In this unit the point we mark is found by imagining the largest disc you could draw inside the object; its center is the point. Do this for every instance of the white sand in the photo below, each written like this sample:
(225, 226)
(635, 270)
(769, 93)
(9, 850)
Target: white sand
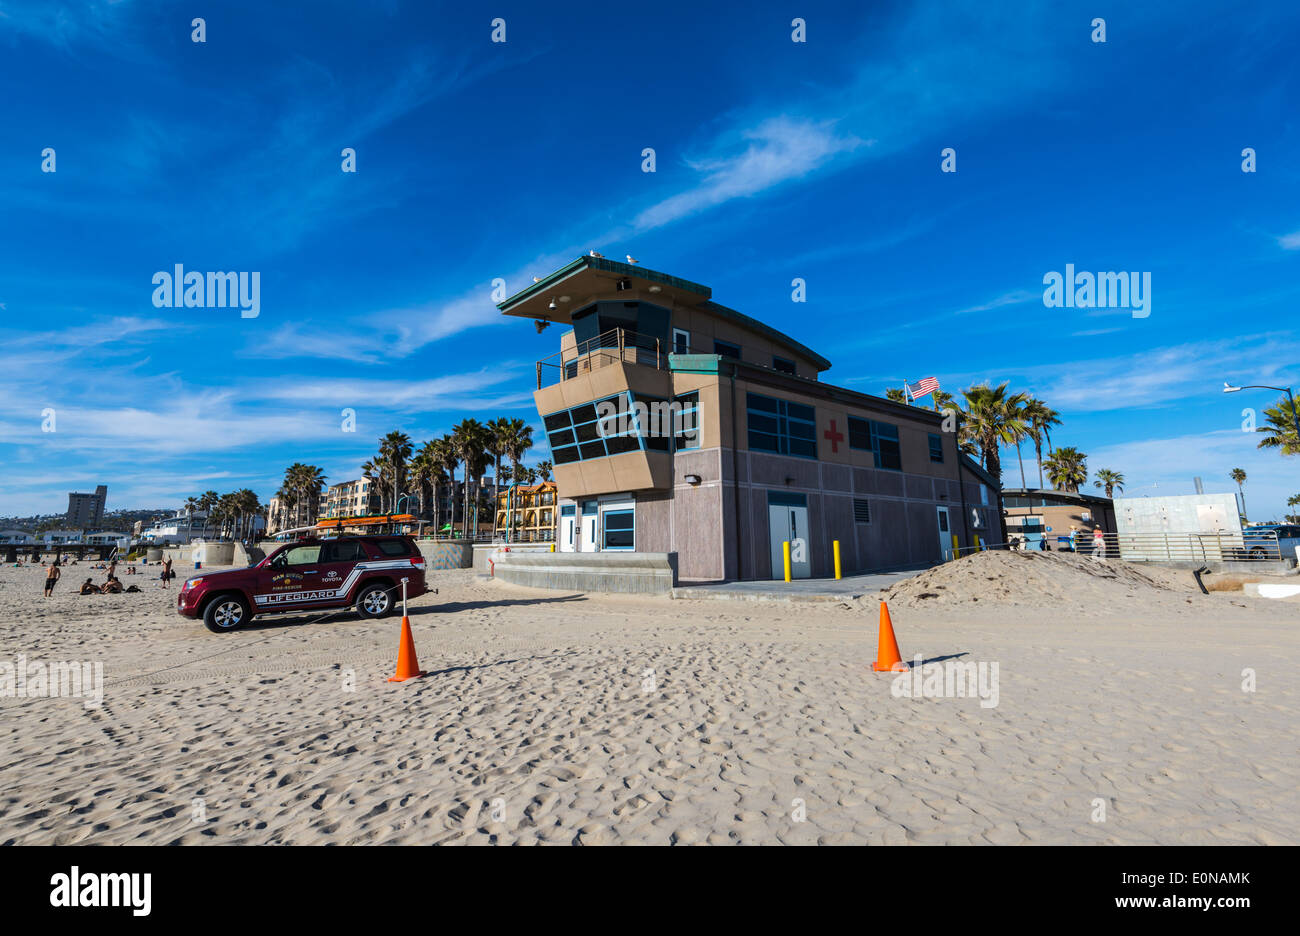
(535, 703)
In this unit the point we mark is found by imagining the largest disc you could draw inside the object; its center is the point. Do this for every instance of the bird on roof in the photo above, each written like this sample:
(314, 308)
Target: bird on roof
(536, 279)
(632, 259)
(600, 255)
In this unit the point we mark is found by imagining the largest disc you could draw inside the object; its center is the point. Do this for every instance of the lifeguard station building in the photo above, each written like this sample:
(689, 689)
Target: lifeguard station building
(762, 450)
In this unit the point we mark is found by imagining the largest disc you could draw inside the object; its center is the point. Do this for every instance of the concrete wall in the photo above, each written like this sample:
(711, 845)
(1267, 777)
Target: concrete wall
(621, 572)
(440, 555)
(489, 551)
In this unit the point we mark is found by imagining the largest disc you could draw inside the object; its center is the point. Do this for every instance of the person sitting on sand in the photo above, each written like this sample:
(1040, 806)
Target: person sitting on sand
(51, 576)
(111, 587)
(88, 587)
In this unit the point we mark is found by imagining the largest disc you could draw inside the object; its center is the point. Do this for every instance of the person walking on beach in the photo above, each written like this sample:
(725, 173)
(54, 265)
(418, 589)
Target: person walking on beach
(1099, 543)
(51, 576)
(166, 571)
(1043, 545)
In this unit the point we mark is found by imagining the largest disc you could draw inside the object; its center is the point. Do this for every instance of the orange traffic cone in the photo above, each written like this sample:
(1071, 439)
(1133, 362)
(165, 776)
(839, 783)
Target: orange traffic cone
(887, 658)
(408, 667)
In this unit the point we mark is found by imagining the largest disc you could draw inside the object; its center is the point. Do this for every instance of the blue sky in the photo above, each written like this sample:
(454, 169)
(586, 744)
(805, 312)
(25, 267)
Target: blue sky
(775, 160)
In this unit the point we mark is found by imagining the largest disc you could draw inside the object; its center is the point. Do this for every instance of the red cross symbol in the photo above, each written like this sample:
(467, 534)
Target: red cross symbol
(835, 437)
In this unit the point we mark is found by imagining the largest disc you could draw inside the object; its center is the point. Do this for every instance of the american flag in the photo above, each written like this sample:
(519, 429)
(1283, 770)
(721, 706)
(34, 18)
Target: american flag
(924, 387)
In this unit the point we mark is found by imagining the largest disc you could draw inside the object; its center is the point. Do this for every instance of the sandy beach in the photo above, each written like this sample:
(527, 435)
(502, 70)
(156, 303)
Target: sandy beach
(567, 718)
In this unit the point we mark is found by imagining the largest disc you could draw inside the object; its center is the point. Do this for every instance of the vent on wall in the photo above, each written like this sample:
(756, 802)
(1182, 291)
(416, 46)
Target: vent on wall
(861, 511)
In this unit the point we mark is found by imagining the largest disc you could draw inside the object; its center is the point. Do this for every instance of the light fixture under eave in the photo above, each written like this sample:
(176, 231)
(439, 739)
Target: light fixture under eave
(565, 298)
(552, 306)
(656, 289)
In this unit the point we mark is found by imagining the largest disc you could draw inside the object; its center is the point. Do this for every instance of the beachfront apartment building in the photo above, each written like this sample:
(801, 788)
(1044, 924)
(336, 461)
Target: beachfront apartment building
(87, 510)
(355, 498)
(756, 450)
(527, 513)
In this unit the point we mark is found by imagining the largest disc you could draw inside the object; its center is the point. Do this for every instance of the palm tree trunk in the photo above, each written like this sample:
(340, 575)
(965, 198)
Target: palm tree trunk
(1038, 456)
(1022, 465)
(496, 491)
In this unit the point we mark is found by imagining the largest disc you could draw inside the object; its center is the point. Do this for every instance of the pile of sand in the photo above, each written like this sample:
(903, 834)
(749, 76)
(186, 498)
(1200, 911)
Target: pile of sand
(1052, 581)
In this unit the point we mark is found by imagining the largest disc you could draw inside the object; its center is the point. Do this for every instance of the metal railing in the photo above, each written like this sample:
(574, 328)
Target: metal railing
(616, 346)
(1262, 546)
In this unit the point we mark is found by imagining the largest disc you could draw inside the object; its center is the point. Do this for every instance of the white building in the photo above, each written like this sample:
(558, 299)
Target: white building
(179, 529)
(16, 538)
(62, 538)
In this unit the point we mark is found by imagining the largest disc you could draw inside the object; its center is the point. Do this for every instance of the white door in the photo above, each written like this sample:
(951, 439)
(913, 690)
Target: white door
(945, 534)
(568, 533)
(789, 524)
(587, 536)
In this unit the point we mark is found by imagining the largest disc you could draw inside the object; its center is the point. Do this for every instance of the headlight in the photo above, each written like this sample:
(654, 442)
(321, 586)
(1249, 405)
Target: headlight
(193, 581)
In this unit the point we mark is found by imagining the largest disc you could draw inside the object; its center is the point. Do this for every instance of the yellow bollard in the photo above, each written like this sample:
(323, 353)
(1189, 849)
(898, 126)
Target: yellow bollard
(979, 546)
(785, 548)
(956, 547)
(552, 547)
(836, 544)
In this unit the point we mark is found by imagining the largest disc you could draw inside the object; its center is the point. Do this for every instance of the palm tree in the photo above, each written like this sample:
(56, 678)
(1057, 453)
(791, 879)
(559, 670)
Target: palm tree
(306, 481)
(942, 400)
(1067, 468)
(896, 394)
(1112, 481)
(443, 455)
(374, 474)
(394, 450)
(1281, 429)
(248, 505)
(207, 501)
(287, 498)
(519, 441)
(1239, 475)
(499, 434)
(470, 439)
(544, 469)
(1041, 419)
(993, 420)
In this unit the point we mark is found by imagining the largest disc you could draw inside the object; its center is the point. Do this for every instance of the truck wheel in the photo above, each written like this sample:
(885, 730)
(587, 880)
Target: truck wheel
(375, 601)
(226, 613)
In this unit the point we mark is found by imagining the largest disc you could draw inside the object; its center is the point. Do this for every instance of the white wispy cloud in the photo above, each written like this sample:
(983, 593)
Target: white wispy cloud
(775, 151)
(1161, 375)
(1290, 241)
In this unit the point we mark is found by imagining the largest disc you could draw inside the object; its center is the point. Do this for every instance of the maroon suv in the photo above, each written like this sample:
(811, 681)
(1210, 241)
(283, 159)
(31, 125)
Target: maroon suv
(312, 574)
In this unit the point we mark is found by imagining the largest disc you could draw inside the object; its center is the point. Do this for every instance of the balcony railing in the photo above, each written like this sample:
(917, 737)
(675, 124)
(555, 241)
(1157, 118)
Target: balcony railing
(616, 346)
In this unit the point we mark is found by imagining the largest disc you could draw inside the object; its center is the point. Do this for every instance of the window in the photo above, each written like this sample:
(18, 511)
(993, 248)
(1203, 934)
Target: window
(781, 427)
(784, 365)
(343, 551)
(881, 439)
(300, 555)
(601, 428)
(861, 511)
(681, 341)
(726, 349)
(620, 530)
(394, 547)
(686, 417)
(936, 448)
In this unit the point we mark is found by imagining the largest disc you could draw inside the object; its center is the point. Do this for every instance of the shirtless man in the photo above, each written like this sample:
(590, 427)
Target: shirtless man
(51, 576)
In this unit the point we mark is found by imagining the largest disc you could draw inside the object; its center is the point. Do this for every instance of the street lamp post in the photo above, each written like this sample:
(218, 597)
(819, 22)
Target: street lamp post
(1295, 417)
